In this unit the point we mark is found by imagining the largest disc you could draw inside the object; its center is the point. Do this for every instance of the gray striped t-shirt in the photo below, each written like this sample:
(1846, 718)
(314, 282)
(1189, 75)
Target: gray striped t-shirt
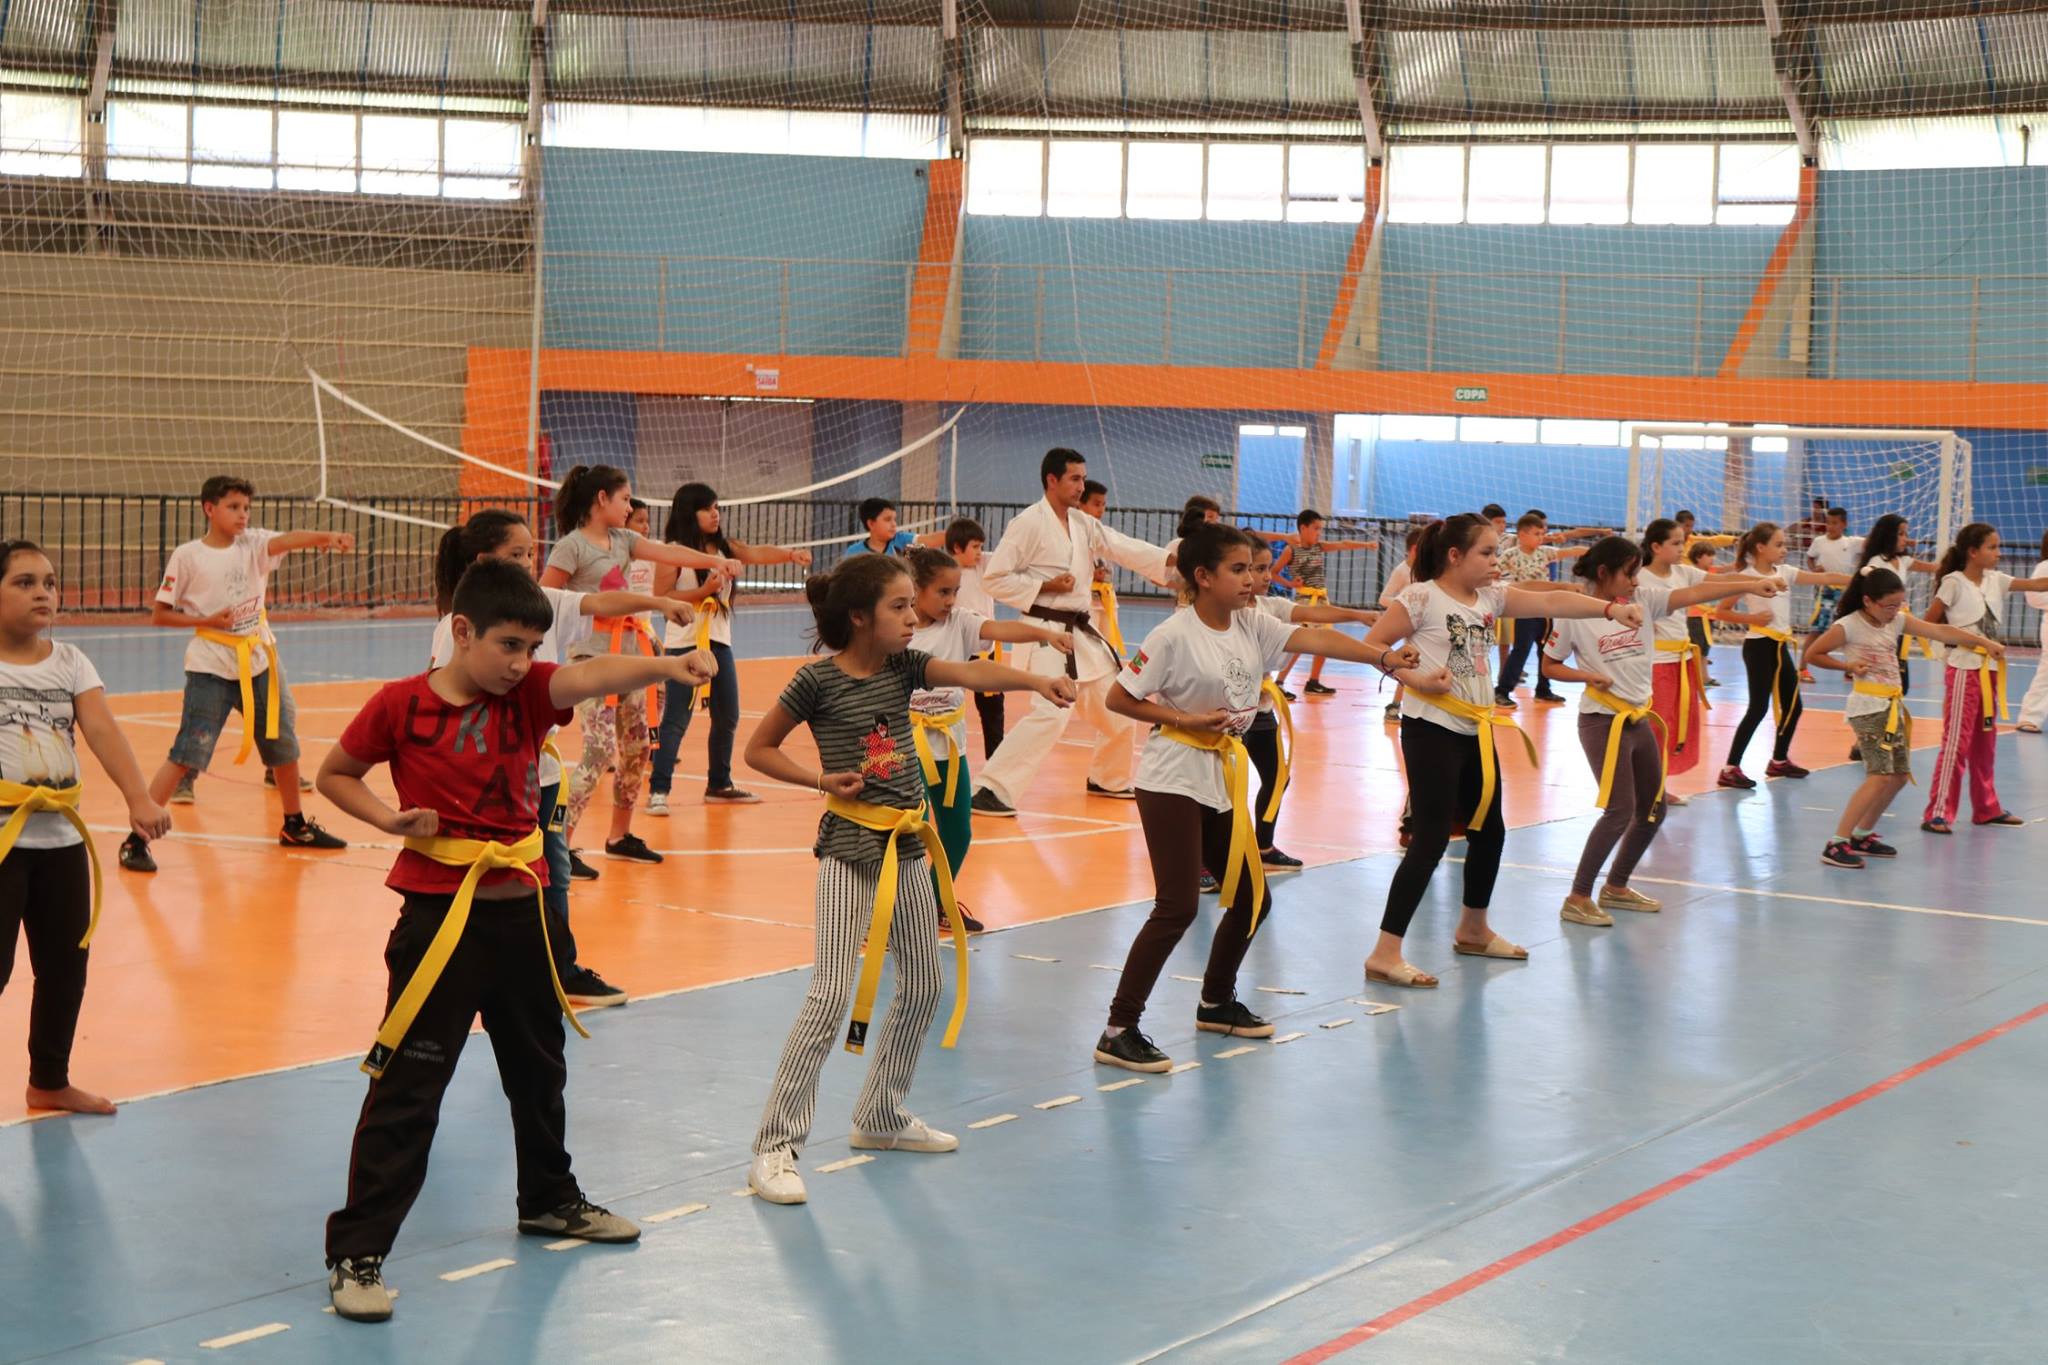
(863, 725)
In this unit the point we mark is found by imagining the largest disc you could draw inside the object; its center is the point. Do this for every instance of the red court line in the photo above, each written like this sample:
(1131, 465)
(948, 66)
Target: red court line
(1437, 1298)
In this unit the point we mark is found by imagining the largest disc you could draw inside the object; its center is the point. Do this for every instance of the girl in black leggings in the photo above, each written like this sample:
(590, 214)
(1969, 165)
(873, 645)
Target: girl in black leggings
(1767, 657)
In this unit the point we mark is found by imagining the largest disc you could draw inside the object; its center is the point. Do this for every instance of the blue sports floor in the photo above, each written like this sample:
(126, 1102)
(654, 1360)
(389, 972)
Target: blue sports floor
(1794, 1118)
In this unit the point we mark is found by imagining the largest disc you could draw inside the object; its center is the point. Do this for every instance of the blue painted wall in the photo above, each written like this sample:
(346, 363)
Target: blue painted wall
(591, 428)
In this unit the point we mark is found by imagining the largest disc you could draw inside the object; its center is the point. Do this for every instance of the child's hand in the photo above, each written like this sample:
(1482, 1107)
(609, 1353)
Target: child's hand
(414, 823)
(1768, 587)
(223, 620)
(341, 542)
(732, 569)
(1856, 668)
(1439, 681)
(1599, 680)
(802, 557)
(1206, 722)
(697, 666)
(1407, 656)
(1626, 614)
(1060, 691)
(845, 785)
(1060, 640)
(1995, 648)
(678, 613)
(148, 819)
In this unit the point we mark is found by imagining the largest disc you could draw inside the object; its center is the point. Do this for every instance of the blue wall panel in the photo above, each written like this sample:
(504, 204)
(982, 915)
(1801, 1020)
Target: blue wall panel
(590, 428)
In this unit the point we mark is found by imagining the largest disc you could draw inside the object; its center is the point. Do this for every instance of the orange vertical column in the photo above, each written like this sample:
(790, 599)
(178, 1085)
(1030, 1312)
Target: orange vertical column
(1354, 271)
(938, 258)
(1775, 273)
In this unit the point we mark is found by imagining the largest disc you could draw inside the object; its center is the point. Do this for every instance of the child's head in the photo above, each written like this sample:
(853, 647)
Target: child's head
(878, 515)
(1699, 554)
(1762, 547)
(1610, 567)
(1200, 510)
(1838, 522)
(1216, 561)
(1094, 498)
(1529, 530)
(693, 519)
(1663, 541)
(1308, 524)
(1498, 515)
(1262, 565)
(1413, 543)
(1975, 548)
(28, 588)
(593, 495)
(964, 541)
(1684, 520)
(936, 576)
(493, 533)
(1887, 538)
(1458, 551)
(1876, 592)
(638, 519)
(501, 616)
(225, 500)
(867, 596)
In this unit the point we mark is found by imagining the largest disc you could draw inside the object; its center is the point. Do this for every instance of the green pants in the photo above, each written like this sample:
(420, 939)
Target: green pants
(955, 822)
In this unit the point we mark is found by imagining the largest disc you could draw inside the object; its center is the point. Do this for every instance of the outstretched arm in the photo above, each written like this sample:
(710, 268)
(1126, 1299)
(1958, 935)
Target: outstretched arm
(1953, 635)
(612, 674)
(1335, 644)
(783, 554)
(1727, 585)
(979, 675)
(339, 541)
(1017, 633)
(1566, 606)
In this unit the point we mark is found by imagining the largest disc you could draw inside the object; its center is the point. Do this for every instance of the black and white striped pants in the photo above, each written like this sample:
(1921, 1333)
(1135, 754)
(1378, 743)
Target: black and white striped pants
(846, 902)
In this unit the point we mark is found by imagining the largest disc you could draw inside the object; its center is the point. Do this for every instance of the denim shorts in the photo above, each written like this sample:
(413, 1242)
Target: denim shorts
(1885, 753)
(211, 699)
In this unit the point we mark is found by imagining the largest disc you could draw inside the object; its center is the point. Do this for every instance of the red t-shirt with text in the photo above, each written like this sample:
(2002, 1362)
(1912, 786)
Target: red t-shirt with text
(477, 764)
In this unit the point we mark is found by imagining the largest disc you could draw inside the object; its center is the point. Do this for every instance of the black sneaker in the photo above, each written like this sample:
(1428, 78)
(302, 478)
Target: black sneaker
(1856, 754)
(1132, 1051)
(580, 871)
(1113, 793)
(986, 802)
(1232, 1018)
(1870, 846)
(1289, 695)
(974, 926)
(1273, 860)
(135, 855)
(1209, 885)
(304, 832)
(632, 850)
(589, 991)
(1550, 698)
(1840, 853)
(1316, 687)
(355, 1285)
(581, 1219)
(1505, 703)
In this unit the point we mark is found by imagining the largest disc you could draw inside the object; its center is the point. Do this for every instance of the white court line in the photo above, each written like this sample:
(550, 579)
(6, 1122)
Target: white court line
(1235, 1052)
(1121, 1085)
(1059, 1102)
(992, 1121)
(1279, 990)
(1179, 1067)
(268, 1329)
(844, 1164)
(670, 1215)
(470, 1272)
(1289, 1038)
(1333, 1023)
(566, 1244)
(1103, 967)
(1032, 957)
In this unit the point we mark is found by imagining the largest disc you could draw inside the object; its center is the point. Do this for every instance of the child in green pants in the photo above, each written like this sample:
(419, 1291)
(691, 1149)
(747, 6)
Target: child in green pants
(939, 716)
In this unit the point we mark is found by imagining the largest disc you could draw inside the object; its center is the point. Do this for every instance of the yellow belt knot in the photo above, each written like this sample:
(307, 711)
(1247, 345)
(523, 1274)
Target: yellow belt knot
(1992, 706)
(894, 821)
(1890, 692)
(245, 647)
(1243, 857)
(922, 725)
(1105, 592)
(706, 610)
(28, 800)
(1484, 718)
(1625, 713)
(1286, 715)
(479, 856)
(1312, 596)
(619, 628)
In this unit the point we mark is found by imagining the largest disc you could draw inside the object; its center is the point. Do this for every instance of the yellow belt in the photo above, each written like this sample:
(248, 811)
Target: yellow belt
(27, 801)
(1887, 691)
(921, 725)
(1685, 648)
(1503, 633)
(547, 746)
(245, 647)
(1623, 714)
(1784, 640)
(1111, 631)
(707, 609)
(1286, 715)
(1483, 717)
(1983, 692)
(479, 856)
(619, 627)
(1312, 596)
(1244, 841)
(994, 654)
(893, 821)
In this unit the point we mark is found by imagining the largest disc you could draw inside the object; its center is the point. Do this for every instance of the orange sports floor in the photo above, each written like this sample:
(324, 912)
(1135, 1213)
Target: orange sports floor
(240, 956)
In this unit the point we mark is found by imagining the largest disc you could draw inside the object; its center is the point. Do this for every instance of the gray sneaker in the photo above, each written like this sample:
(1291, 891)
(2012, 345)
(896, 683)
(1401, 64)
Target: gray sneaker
(581, 1218)
(183, 794)
(356, 1284)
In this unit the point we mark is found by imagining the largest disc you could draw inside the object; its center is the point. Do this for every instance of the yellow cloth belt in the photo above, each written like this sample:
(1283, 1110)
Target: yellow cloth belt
(479, 856)
(1685, 648)
(27, 801)
(547, 746)
(619, 627)
(1105, 592)
(1784, 640)
(706, 609)
(921, 725)
(892, 821)
(1983, 692)
(1312, 596)
(1623, 714)
(1503, 633)
(245, 647)
(1483, 717)
(1286, 746)
(1887, 691)
(994, 654)
(1244, 841)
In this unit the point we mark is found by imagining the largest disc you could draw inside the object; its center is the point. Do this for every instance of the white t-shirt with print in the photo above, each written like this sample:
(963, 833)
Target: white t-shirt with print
(1625, 654)
(1877, 646)
(640, 579)
(954, 640)
(1967, 605)
(685, 637)
(38, 734)
(1671, 624)
(202, 579)
(570, 627)
(1449, 634)
(1780, 607)
(1188, 666)
(1837, 555)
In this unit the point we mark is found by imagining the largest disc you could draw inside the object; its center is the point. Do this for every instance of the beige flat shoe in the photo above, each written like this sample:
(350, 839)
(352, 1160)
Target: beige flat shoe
(1407, 974)
(1627, 898)
(1493, 947)
(1576, 911)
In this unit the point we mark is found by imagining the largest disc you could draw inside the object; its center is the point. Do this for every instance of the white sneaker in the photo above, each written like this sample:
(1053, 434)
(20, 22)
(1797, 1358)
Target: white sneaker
(773, 1176)
(657, 803)
(917, 1136)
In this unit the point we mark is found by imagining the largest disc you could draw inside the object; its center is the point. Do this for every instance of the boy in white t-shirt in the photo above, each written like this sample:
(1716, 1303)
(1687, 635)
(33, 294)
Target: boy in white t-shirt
(1835, 551)
(964, 539)
(214, 587)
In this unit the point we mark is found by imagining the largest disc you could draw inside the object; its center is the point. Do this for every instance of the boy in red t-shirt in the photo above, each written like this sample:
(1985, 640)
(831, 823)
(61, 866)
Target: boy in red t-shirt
(463, 742)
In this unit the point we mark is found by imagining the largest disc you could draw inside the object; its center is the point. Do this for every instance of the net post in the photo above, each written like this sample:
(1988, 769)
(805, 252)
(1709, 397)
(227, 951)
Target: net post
(1631, 523)
(1944, 516)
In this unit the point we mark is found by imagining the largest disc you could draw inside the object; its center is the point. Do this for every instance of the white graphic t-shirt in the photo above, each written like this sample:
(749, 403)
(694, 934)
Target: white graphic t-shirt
(1189, 667)
(1623, 653)
(202, 579)
(1450, 634)
(1780, 607)
(1877, 646)
(38, 744)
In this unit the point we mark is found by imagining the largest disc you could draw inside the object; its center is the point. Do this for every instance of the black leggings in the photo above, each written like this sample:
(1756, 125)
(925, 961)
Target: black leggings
(1175, 827)
(1262, 742)
(1528, 638)
(1443, 785)
(47, 893)
(1768, 663)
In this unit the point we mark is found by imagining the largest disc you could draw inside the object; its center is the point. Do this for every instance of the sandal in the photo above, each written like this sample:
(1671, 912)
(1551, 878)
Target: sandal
(1493, 947)
(1936, 827)
(1407, 974)
(2004, 817)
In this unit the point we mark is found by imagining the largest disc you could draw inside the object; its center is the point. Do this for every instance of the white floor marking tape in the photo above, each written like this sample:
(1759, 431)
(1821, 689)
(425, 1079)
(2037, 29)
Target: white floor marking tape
(1289, 1038)
(747, 1193)
(1060, 1102)
(1196, 979)
(566, 1244)
(844, 1164)
(1333, 1023)
(1121, 1085)
(670, 1215)
(1235, 1052)
(1103, 967)
(1279, 990)
(1179, 1067)
(268, 1329)
(1374, 1008)
(470, 1272)
(1032, 957)
(993, 1120)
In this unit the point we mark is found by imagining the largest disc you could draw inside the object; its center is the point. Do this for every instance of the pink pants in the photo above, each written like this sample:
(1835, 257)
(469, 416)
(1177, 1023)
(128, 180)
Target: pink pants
(1967, 742)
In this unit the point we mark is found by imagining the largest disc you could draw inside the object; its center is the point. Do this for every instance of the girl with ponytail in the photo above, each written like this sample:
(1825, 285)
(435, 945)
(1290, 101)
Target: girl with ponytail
(1767, 653)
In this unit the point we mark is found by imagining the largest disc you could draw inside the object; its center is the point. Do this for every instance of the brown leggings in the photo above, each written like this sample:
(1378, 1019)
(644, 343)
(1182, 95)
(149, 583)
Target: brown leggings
(1182, 836)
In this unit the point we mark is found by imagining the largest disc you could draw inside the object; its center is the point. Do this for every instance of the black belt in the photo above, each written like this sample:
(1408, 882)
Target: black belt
(1073, 621)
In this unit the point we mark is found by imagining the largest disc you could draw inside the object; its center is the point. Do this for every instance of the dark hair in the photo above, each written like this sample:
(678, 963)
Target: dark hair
(1205, 546)
(870, 508)
(856, 585)
(1841, 512)
(636, 504)
(2044, 545)
(580, 487)
(220, 485)
(927, 563)
(1610, 555)
(1754, 539)
(1492, 510)
(10, 548)
(1415, 535)
(1683, 515)
(1863, 587)
(1885, 534)
(1056, 461)
(1539, 514)
(962, 532)
(1196, 513)
(1698, 550)
(1530, 521)
(1440, 538)
(1093, 486)
(1656, 533)
(495, 592)
(682, 528)
(461, 546)
(1307, 516)
(1966, 543)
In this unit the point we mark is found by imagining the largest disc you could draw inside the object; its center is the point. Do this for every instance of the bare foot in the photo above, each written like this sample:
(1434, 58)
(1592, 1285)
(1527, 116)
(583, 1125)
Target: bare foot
(71, 1099)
